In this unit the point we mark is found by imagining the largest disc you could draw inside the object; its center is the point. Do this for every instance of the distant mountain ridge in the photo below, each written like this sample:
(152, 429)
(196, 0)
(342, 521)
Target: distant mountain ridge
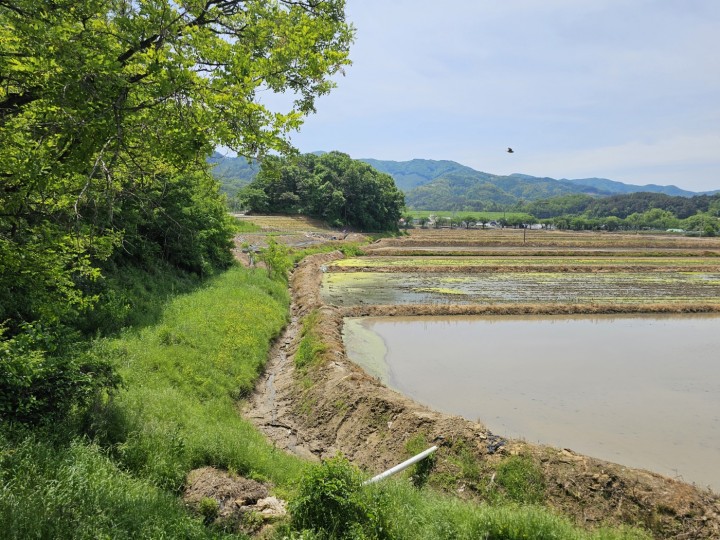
(618, 188)
(442, 184)
(430, 184)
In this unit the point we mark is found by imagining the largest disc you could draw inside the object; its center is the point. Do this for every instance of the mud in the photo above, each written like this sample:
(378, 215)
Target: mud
(334, 406)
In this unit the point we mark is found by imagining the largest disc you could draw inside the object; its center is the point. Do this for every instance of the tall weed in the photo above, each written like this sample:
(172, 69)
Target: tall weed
(183, 378)
(76, 492)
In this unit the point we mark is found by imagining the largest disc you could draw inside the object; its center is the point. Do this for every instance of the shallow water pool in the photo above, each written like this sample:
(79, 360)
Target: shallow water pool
(636, 390)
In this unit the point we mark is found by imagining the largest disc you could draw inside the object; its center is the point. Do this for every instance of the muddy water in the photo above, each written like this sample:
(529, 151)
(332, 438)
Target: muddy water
(643, 392)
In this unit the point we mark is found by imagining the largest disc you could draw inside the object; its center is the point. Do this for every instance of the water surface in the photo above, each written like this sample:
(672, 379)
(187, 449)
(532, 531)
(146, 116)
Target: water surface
(640, 391)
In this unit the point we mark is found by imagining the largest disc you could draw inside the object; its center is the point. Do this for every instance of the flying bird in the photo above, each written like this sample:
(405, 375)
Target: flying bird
(510, 150)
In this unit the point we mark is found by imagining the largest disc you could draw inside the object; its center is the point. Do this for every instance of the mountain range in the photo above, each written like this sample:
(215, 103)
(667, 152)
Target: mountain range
(448, 185)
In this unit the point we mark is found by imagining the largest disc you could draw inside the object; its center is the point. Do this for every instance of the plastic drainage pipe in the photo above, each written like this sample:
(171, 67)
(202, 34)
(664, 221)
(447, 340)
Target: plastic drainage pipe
(401, 467)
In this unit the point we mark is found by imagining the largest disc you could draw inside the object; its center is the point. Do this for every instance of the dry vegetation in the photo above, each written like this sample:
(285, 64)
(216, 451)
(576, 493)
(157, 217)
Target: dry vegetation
(513, 238)
(285, 224)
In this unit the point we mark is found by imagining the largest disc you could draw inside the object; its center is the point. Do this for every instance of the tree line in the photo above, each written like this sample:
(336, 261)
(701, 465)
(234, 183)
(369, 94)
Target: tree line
(634, 211)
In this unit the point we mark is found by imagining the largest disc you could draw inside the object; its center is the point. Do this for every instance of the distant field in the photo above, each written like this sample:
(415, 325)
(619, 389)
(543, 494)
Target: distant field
(511, 287)
(488, 216)
(495, 267)
(468, 238)
(284, 223)
(487, 263)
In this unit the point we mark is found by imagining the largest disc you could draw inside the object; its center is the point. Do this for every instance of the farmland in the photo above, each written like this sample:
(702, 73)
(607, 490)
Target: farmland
(442, 239)
(332, 405)
(484, 216)
(550, 272)
(675, 288)
(535, 263)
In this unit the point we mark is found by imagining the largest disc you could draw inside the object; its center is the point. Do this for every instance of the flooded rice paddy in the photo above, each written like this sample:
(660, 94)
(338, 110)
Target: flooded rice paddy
(357, 288)
(641, 391)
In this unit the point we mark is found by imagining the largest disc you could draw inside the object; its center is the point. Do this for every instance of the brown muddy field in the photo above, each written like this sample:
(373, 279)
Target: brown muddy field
(335, 406)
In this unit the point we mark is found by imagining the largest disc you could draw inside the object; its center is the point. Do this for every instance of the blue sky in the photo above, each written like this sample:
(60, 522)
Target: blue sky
(621, 89)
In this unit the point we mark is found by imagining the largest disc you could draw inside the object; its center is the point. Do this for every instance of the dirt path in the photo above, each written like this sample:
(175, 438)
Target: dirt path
(335, 406)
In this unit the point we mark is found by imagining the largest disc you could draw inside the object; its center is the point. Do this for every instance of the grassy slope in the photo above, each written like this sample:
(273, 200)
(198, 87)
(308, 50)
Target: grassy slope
(178, 411)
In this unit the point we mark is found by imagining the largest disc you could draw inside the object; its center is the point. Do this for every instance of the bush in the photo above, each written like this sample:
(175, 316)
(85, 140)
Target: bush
(422, 469)
(277, 259)
(40, 384)
(332, 503)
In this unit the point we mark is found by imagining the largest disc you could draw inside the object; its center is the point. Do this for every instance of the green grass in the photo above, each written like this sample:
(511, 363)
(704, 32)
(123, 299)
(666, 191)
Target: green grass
(410, 514)
(332, 503)
(185, 374)
(311, 346)
(246, 226)
(75, 491)
(178, 410)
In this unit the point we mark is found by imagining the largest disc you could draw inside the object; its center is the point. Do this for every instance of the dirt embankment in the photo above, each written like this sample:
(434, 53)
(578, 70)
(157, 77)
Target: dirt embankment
(335, 406)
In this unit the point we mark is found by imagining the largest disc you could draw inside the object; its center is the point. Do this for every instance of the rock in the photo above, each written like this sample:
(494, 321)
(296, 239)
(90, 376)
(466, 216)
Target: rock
(271, 508)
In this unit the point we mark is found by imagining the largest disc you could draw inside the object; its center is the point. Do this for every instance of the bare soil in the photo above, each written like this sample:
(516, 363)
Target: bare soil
(334, 406)
(241, 504)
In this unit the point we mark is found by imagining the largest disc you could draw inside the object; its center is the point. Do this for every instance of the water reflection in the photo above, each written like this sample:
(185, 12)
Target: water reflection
(640, 391)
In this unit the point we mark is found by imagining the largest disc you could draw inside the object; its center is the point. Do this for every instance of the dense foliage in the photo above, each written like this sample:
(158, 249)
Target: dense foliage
(635, 211)
(108, 111)
(332, 187)
(622, 206)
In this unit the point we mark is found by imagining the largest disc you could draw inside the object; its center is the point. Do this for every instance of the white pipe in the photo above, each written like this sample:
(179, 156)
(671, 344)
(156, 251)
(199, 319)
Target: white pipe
(402, 466)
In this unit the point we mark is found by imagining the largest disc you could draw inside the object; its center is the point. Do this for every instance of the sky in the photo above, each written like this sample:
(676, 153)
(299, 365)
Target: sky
(622, 89)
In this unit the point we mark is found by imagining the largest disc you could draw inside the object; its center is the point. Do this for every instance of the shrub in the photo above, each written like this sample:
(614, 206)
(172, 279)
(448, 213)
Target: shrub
(422, 469)
(38, 386)
(277, 259)
(209, 509)
(331, 501)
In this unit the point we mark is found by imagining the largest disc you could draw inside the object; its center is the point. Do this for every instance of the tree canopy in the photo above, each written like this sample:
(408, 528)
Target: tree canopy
(332, 187)
(108, 109)
(108, 112)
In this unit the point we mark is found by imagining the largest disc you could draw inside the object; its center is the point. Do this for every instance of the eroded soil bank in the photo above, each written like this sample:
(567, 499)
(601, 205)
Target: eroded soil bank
(335, 406)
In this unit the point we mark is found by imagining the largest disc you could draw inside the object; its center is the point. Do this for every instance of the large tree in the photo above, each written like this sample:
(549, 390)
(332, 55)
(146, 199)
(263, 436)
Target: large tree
(108, 111)
(333, 187)
(108, 108)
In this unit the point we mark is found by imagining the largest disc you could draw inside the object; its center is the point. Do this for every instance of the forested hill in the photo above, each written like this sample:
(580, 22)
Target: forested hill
(411, 174)
(618, 188)
(418, 172)
(448, 185)
(233, 173)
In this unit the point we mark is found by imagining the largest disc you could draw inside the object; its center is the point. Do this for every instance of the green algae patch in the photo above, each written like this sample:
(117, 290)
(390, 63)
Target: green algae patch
(378, 288)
